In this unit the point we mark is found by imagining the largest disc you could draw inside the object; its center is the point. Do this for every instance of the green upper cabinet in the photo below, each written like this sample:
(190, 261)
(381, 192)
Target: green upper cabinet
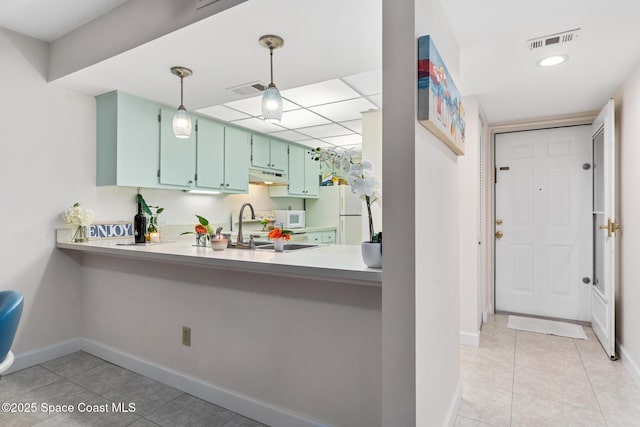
(237, 160)
(177, 155)
(223, 157)
(210, 155)
(127, 136)
(268, 153)
(304, 175)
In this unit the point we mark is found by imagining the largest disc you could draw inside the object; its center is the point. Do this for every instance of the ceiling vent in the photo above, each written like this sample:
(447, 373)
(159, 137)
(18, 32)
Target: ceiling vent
(554, 39)
(254, 88)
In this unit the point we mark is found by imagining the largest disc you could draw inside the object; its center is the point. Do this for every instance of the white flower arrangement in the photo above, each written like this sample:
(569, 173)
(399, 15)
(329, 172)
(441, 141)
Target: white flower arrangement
(359, 177)
(77, 215)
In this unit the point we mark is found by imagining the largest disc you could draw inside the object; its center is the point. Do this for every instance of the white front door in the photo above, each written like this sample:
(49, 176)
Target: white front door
(605, 228)
(543, 247)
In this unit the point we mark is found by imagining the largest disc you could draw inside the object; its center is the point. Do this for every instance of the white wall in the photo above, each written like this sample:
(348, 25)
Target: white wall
(47, 136)
(420, 276)
(437, 250)
(627, 100)
(468, 196)
(372, 151)
(310, 346)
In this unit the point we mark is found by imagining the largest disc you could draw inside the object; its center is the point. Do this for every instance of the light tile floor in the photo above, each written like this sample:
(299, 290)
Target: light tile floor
(518, 378)
(82, 380)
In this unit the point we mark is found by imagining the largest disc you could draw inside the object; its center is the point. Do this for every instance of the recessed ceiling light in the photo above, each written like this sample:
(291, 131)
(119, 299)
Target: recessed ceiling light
(550, 61)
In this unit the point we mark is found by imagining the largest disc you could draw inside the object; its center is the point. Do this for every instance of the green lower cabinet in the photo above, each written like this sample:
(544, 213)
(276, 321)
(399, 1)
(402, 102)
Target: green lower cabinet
(322, 237)
(127, 141)
(304, 175)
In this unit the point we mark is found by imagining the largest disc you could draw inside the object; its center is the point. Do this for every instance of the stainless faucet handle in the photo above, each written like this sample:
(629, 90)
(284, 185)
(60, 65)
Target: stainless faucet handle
(252, 243)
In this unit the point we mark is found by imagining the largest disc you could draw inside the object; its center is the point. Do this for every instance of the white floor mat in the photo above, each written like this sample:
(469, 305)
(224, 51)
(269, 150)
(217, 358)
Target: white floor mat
(550, 327)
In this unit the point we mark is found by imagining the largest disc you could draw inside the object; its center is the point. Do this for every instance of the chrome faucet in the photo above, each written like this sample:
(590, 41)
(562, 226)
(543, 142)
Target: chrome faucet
(239, 240)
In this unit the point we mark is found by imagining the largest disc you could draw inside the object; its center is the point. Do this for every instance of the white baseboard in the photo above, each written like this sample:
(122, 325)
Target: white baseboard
(471, 339)
(452, 413)
(629, 363)
(244, 405)
(41, 355)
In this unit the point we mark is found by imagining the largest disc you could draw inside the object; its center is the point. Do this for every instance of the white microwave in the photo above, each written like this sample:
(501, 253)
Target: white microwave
(290, 219)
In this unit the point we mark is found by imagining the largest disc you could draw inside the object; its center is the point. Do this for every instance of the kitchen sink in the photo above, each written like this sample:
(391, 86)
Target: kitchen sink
(246, 245)
(287, 246)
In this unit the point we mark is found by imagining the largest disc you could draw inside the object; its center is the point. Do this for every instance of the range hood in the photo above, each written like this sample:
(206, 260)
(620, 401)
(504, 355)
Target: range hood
(257, 176)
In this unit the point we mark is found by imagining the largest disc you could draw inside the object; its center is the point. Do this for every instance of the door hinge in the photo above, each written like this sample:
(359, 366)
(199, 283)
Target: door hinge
(495, 175)
(196, 177)
(158, 173)
(196, 126)
(159, 117)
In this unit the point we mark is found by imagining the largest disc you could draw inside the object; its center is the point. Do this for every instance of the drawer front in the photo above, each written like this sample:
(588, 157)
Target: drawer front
(314, 237)
(329, 237)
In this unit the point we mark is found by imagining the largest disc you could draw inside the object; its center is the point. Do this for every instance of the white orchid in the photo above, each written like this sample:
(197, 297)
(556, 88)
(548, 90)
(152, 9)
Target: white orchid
(76, 215)
(359, 176)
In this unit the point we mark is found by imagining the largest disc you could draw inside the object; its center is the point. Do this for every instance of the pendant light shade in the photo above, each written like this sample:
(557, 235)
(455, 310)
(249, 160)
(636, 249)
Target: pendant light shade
(181, 123)
(181, 119)
(272, 104)
(271, 99)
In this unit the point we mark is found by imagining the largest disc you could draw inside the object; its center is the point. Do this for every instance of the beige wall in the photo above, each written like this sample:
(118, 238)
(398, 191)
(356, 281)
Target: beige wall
(627, 100)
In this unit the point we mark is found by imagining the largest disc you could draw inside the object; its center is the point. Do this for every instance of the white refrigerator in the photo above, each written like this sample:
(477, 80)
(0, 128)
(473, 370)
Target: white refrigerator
(337, 207)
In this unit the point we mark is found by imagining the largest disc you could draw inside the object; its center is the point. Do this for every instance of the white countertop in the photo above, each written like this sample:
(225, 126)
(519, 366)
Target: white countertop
(331, 262)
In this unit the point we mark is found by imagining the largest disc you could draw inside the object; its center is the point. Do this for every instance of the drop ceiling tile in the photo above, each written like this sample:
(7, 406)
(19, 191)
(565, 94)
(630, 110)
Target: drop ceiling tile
(253, 106)
(354, 125)
(322, 131)
(223, 113)
(314, 143)
(367, 83)
(290, 135)
(355, 148)
(376, 99)
(344, 140)
(320, 93)
(258, 125)
(345, 110)
(301, 118)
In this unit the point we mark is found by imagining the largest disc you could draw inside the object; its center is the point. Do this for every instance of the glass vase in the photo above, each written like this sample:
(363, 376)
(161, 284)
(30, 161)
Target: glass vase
(201, 240)
(80, 236)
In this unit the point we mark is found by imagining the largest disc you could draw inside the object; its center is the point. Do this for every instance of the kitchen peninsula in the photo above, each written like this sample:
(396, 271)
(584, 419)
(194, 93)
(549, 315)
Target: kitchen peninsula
(287, 339)
(330, 262)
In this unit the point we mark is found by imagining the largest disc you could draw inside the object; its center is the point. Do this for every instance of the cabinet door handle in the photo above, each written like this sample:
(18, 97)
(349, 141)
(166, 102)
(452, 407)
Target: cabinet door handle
(190, 182)
(226, 185)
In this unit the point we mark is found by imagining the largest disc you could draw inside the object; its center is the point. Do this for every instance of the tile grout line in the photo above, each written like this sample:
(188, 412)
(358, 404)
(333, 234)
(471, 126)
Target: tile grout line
(513, 375)
(590, 383)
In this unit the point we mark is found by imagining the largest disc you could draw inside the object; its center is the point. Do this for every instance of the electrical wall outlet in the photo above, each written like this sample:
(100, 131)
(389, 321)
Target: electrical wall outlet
(186, 336)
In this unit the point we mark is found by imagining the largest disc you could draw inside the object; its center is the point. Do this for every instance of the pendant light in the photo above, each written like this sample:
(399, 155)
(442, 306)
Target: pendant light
(181, 120)
(271, 99)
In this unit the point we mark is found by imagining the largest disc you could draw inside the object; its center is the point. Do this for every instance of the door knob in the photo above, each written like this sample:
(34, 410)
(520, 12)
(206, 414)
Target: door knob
(499, 234)
(499, 221)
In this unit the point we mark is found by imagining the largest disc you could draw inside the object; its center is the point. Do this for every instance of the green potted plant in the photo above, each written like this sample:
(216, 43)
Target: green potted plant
(153, 232)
